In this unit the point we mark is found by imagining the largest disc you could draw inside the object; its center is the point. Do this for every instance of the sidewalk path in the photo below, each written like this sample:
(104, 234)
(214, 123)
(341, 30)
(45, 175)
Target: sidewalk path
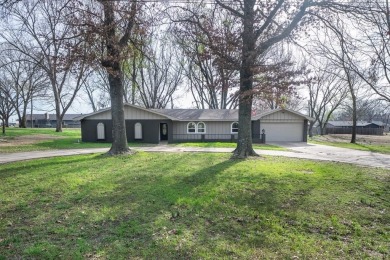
(303, 151)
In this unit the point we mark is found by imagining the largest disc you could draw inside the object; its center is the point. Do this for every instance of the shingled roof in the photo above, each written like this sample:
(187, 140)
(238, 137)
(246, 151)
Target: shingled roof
(200, 114)
(350, 123)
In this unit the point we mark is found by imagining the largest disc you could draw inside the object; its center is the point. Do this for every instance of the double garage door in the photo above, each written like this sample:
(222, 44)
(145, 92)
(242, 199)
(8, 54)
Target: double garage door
(283, 131)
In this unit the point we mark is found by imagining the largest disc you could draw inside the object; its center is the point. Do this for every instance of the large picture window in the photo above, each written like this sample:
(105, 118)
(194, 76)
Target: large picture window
(100, 131)
(234, 129)
(199, 127)
(138, 131)
(191, 127)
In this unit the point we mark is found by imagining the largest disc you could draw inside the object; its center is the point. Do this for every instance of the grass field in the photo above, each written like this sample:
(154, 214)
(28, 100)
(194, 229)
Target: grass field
(192, 206)
(38, 139)
(230, 145)
(376, 144)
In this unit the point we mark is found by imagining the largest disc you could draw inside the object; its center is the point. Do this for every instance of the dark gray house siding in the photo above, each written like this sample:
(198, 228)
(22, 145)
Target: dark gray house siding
(281, 125)
(150, 130)
(256, 132)
(89, 130)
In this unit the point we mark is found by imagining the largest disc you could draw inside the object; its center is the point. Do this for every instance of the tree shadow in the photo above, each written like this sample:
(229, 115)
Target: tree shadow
(144, 210)
(11, 170)
(165, 209)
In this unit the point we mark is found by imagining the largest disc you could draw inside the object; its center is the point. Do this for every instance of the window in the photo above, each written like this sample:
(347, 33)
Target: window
(100, 131)
(201, 127)
(191, 127)
(164, 129)
(138, 131)
(234, 127)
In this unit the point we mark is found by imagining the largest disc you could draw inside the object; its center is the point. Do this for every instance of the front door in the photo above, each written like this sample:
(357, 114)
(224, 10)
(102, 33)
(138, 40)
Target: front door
(163, 131)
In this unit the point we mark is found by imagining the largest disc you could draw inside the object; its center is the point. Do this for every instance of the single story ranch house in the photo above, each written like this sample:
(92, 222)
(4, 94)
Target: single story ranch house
(181, 125)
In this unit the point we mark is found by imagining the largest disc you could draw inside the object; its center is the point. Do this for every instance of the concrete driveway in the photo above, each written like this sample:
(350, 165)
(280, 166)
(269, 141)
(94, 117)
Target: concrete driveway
(296, 150)
(336, 154)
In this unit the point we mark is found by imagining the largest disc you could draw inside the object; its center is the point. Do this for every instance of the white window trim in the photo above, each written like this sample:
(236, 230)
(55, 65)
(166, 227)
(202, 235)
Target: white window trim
(231, 128)
(138, 135)
(188, 132)
(100, 127)
(196, 128)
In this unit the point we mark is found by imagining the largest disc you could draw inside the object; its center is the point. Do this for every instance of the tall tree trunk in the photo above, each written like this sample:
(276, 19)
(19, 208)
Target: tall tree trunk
(133, 79)
(354, 118)
(58, 118)
(115, 79)
(322, 130)
(311, 124)
(23, 122)
(119, 143)
(20, 119)
(3, 127)
(244, 143)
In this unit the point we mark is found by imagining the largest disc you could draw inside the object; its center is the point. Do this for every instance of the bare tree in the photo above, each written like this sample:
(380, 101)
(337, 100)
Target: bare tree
(96, 87)
(276, 82)
(160, 75)
(40, 31)
(326, 94)
(259, 26)
(6, 108)
(109, 27)
(212, 83)
(338, 48)
(372, 27)
(27, 80)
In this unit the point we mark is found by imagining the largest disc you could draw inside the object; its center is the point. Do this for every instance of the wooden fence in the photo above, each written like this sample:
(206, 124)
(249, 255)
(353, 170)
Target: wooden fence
(359, 131)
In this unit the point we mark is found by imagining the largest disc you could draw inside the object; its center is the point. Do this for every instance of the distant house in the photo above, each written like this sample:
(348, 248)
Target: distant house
(179, 125)
(50, 121)
(386, 128)
(362, 127)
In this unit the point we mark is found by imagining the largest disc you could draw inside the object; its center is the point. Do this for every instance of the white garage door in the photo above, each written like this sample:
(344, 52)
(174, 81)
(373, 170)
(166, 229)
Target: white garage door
(283, 132)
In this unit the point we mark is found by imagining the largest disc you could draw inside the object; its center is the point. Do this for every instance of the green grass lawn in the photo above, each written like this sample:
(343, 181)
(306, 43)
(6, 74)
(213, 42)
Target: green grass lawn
(230, 145)
(68, 139)
(71, 139)
(192, 206)
(15, 131)
(376, 148)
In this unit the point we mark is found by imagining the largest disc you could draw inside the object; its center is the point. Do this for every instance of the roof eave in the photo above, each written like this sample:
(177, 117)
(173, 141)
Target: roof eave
(150, 111)
(126, 104)
(283, 109)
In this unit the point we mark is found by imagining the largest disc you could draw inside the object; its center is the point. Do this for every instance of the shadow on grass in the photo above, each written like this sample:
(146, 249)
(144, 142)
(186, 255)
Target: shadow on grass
(75, 144)
(176, 206)
(201, 207)
(141, 209)
(12, 170)
(153, 210)
(196, 206)
(70, 144)
(166, 207)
